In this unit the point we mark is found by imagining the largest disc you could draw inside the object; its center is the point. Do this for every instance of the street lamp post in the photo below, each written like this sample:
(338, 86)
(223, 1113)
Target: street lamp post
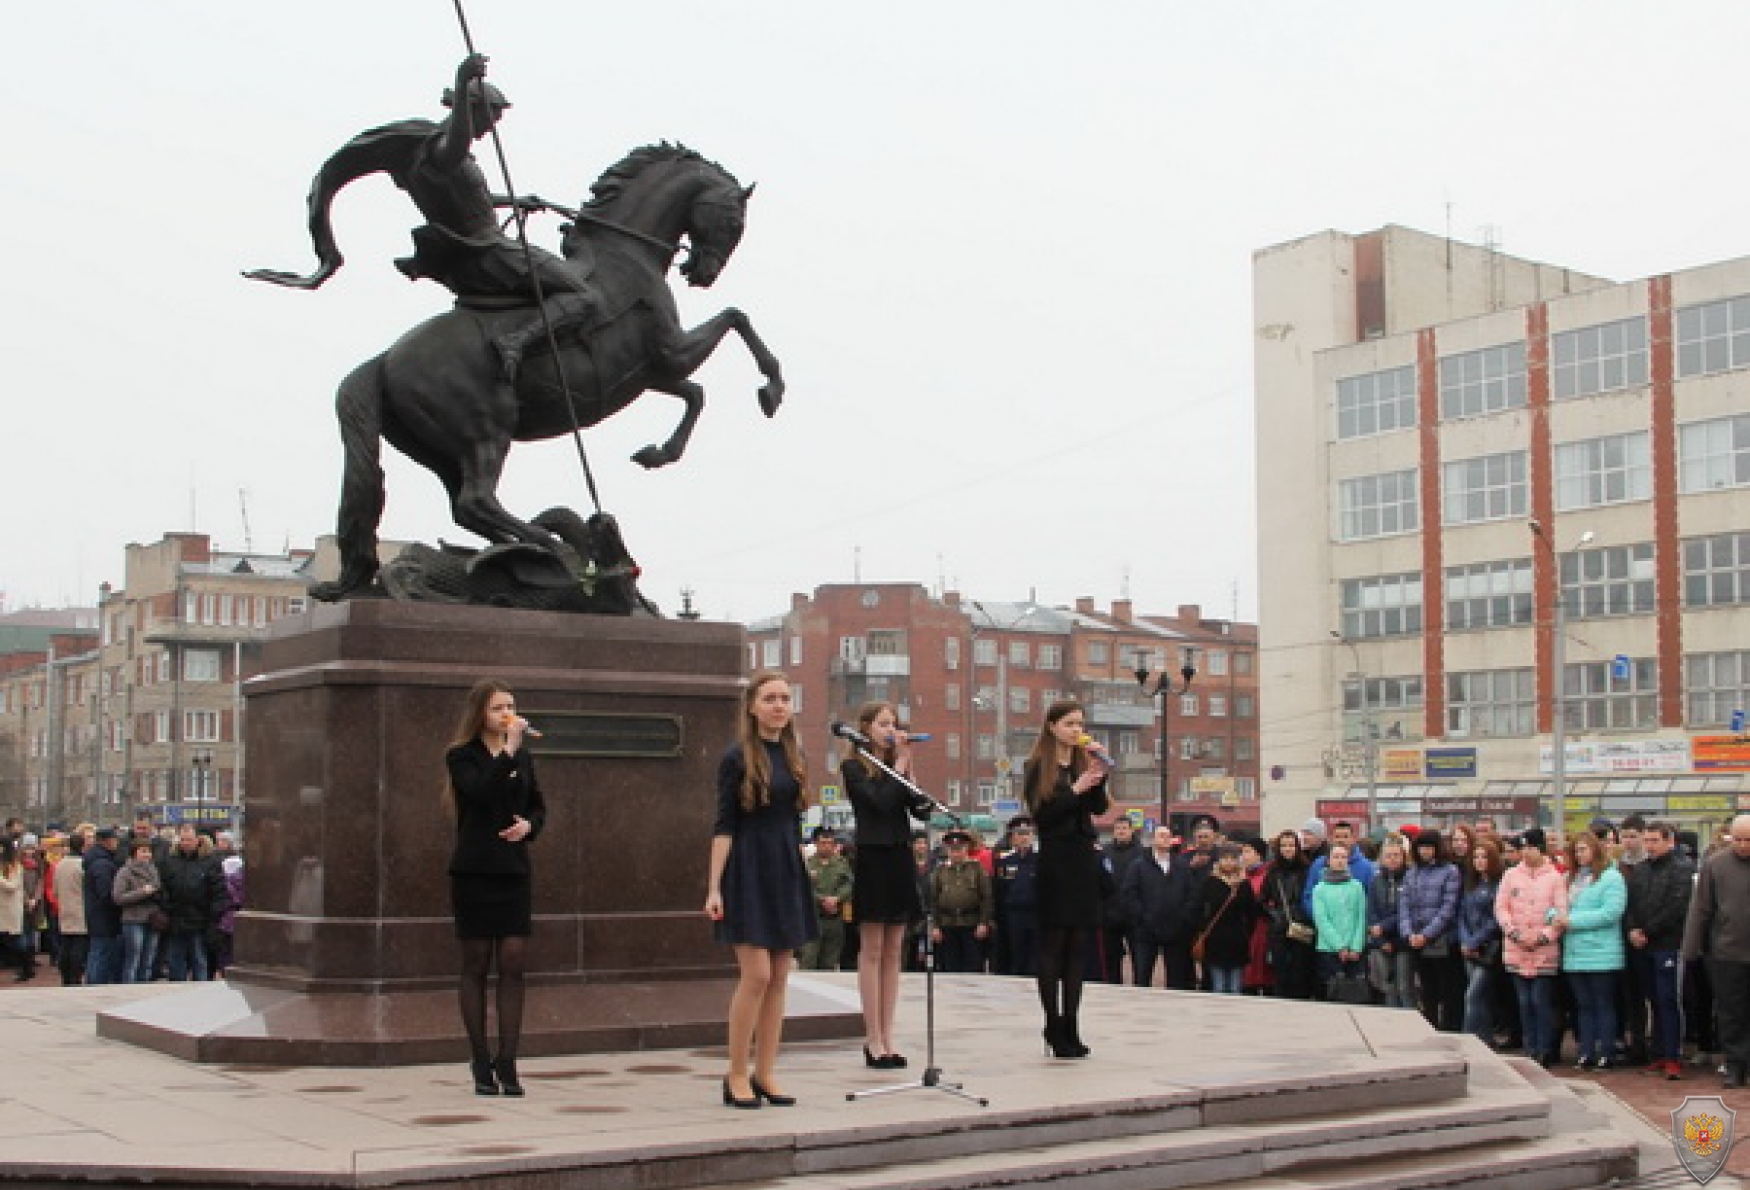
(1558, 733)
(1369, 742)
(1161, 682)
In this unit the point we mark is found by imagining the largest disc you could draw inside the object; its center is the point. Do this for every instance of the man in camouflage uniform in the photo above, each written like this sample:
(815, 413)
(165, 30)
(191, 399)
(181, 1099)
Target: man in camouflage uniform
(829, 875)
(960, 890)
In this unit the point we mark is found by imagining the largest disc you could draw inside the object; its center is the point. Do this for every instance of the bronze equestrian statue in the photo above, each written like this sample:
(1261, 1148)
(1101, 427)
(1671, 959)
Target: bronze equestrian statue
(453, 393)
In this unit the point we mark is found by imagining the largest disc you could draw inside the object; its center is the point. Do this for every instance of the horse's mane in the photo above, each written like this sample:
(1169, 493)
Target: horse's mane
(616, 177)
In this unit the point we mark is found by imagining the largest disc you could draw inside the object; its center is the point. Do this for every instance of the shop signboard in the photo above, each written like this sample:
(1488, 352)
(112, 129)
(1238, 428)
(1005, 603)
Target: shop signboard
(1721, 753)
(1620, 756)
(1401, 764)
(1447, 764)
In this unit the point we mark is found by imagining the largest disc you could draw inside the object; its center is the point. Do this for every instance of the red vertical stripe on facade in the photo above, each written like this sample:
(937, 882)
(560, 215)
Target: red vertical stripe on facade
(1433, 585)
(1543, 508)
(1667, 549)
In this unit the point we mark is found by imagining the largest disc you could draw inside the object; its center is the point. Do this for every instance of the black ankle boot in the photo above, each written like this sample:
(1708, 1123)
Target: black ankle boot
(507, 1079)
(1072, 1038)
(1056, 1039)
(484, 1081)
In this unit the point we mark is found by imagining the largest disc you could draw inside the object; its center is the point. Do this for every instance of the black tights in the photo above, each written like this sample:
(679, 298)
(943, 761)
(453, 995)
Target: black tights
(1062, 962)
(477, 963)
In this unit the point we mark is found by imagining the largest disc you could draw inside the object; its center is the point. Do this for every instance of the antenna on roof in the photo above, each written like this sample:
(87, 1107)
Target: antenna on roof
(243, 504)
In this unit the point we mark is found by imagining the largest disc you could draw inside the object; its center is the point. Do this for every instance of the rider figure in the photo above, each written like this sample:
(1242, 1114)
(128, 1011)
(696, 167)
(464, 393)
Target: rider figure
(461, 245)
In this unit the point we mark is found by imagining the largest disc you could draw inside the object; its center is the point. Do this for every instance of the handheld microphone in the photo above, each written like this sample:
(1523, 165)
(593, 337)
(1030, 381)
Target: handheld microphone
(846, 732)
(916, 737)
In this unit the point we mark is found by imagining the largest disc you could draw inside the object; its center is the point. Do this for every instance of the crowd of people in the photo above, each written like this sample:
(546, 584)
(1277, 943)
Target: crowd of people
(104, 906)
(1633, 938)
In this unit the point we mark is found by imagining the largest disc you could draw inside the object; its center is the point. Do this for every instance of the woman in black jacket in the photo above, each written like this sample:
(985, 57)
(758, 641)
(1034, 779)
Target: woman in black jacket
(1292, 957)
(884, 880)
(497, 803)
(1065, 787)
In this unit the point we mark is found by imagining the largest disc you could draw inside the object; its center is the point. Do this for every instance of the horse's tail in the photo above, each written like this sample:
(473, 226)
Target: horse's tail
(359, 407)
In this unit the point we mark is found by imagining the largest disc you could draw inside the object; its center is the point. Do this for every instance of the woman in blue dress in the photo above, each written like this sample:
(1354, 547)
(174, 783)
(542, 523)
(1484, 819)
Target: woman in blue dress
(759, 896)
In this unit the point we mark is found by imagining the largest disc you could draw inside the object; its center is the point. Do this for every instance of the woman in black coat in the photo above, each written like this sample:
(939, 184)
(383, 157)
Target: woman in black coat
(497, 803)
(1065, 788)
(1292, 959)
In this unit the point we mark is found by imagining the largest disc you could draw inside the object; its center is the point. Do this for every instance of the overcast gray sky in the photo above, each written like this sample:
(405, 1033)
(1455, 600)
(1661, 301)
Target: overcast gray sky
(1003, 250)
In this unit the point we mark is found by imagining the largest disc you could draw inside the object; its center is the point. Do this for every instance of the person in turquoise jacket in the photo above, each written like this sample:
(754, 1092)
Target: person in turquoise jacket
(1339, 903)
(1592, 949)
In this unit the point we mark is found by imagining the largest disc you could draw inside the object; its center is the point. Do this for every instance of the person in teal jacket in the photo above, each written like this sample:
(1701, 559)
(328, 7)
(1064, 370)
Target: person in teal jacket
(1592, 949)
(1339, 903)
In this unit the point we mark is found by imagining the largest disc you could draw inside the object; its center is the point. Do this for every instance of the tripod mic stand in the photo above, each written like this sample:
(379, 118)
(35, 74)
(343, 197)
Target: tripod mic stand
(931, 1078)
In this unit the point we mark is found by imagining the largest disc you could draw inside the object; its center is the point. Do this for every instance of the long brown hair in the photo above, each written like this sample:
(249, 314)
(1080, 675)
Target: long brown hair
(1042, 761)
(756, 774)
(1600, 856)
(469, 727)
(865, 718)
(1497, 865)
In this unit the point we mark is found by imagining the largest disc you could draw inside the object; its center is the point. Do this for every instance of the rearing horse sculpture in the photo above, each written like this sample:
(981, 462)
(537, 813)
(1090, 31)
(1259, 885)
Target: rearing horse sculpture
(440, 397)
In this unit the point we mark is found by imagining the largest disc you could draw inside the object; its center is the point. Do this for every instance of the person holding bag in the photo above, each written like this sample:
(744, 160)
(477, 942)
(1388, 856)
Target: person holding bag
(1340, 917)
(1291, 935)
(1228, 909)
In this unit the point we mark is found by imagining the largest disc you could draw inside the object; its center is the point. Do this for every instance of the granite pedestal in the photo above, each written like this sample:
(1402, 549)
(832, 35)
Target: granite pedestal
(346, 953)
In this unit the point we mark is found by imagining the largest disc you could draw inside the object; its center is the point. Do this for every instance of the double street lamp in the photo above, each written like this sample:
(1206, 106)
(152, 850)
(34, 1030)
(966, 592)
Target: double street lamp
(1160, 682)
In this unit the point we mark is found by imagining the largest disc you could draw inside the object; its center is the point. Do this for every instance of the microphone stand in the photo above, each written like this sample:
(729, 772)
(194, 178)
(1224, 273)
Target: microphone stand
(931, 1078)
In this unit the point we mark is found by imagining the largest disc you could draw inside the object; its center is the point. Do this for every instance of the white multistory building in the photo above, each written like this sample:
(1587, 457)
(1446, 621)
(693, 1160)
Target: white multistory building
(1449, 441)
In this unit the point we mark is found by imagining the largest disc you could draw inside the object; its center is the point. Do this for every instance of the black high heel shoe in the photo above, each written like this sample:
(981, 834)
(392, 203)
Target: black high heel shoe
(897, 1061)
(730, 1099)
(485, 1082)
(759, 1093)
(1072, 1038)
(505, 1068)
(884, 1062)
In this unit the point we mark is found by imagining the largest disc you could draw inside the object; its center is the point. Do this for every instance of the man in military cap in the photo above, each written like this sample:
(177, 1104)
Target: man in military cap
(829, 876)
(1017, 901)
(960, 890)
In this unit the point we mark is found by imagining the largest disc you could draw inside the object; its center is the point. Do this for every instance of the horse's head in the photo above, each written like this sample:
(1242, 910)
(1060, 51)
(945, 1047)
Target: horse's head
(714, 227)
(670, 193)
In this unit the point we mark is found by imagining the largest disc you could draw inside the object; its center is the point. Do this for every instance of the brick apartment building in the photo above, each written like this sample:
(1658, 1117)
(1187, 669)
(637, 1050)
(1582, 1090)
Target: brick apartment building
(978, 676)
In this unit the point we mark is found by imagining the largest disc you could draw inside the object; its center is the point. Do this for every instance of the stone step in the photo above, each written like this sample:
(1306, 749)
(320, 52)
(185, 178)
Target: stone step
(1011, 1154)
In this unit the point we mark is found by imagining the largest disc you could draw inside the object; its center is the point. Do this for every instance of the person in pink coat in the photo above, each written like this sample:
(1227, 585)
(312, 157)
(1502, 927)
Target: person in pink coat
(1530, 906)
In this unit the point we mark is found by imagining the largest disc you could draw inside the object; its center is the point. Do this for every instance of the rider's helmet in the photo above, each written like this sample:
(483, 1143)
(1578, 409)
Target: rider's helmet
(494, 97)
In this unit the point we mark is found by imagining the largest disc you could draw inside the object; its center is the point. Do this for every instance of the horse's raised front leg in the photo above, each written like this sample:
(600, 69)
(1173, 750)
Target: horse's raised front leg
(687, 351)
(694, 395)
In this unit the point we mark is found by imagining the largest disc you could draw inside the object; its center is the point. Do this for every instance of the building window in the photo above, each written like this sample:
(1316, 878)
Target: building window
(1243, 663)
(1614, 581)
(951, 696)
(1597, 701)
(771, 654)
(1487, 488)
(987, 792)
(1215, 748)
(1378, 506)
(951, 652)
(1246, 787)
(1187, 704)
(1599, 359)
(987, 747)
(1501, 702)
(1383, 694)
(1218, 706)
(201, 665)
(1050, 656)
(795, 651)
(1047, 697)
(1384, 605)
(952, 745)
(1715, 454)
(1244, 749)
(853, 649)
(1488, 595)
(1715, 685)
(1099, 652)
(796, 697)
(1713, 337)
(160, 727)
(1610, 470)
(1020, 700)
(887, 644)
(1215, 663)
(200, 727)
(984, 651)
(1716, 570)
(1480, 382)
(1189, 747)
(1376, 403)
(1019, 654)
(164, 666)
(1245, 707)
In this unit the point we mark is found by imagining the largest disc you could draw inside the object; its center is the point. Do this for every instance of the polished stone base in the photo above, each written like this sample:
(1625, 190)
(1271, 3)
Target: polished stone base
(242, 1023)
